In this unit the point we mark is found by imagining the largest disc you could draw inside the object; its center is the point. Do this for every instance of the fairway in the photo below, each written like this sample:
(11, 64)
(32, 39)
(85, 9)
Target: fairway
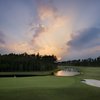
(51, 87)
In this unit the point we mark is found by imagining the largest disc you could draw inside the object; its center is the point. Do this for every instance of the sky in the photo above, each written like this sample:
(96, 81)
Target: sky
(69, 29)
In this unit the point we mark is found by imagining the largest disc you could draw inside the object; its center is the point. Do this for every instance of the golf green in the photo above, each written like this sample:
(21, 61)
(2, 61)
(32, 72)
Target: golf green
(50, 87)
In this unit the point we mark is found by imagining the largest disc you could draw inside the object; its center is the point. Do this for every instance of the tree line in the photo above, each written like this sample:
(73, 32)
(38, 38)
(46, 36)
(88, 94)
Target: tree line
(82, 62)
(24, 62)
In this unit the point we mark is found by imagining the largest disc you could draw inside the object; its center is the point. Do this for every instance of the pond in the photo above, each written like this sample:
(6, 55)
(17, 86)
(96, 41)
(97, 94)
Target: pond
(66, 73)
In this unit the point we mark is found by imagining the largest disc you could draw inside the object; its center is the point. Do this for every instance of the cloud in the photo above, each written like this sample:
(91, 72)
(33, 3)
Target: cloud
(47, 10)
(51, 30)
(39, 29)
(85, 38)
(2, 37)
(13, 47)
(3, 48)
(85, 44)
(20, 47)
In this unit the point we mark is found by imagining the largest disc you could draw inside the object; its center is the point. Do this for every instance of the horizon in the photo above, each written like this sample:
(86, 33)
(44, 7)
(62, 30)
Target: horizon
(68, 29)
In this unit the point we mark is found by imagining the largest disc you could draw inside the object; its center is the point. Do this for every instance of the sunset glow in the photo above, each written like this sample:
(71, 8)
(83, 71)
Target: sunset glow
(67, 29)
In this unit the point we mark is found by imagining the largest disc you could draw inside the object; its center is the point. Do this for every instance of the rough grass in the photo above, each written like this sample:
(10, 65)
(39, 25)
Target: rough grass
(50, 87)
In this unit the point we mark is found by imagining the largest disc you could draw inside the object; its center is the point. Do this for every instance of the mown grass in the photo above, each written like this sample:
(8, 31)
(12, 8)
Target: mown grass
(90, 72)
(50, 87)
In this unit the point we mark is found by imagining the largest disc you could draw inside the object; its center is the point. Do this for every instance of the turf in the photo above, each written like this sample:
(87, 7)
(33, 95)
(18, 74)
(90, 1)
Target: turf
(50, 87)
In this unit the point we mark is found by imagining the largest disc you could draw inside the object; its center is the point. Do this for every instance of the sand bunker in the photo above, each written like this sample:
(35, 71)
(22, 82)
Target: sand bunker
(92, 82)
(66, 73)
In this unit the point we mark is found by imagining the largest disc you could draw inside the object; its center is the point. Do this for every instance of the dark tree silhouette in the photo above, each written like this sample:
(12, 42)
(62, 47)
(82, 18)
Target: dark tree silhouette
(25, 62)
(82, 62)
